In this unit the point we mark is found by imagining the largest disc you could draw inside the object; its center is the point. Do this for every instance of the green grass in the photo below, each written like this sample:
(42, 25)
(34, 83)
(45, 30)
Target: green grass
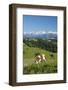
(50, 66)
(40, 68)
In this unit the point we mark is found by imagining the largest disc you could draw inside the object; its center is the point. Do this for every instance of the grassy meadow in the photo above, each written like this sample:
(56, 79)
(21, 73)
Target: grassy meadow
(29, 65)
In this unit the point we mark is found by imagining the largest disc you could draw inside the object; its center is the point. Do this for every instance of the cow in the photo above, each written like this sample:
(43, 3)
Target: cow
(40, 58)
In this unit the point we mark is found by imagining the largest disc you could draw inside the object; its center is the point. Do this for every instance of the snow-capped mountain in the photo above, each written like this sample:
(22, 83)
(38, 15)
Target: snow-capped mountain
(41, 34)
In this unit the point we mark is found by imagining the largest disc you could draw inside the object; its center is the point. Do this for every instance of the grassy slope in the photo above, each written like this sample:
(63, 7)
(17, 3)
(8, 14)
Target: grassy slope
(29, 55)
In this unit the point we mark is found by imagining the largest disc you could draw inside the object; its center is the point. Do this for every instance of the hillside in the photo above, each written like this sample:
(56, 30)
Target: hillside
(29, 57)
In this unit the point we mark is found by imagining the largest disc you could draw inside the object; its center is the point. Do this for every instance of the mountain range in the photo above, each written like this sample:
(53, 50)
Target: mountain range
(43, 35)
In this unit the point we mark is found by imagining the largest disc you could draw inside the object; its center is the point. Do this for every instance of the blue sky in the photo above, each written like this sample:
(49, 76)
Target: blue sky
(40, 23)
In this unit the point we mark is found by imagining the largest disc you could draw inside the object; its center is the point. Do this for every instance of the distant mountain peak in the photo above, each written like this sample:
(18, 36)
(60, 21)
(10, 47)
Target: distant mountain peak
(40, 32)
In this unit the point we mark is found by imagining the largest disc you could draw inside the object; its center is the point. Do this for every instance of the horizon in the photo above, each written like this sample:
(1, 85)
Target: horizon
(40, 32)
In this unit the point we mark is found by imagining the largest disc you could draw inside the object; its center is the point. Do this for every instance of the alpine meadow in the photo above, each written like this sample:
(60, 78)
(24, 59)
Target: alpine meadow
(39, 44)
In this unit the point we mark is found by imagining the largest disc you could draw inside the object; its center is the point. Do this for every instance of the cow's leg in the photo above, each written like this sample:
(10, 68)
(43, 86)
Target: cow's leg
(37, 62)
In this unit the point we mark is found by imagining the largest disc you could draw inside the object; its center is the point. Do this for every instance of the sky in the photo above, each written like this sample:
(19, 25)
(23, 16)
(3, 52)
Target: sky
(39, 23)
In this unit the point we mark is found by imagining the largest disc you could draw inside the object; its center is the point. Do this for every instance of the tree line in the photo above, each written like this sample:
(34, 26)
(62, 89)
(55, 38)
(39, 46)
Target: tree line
(50, 45)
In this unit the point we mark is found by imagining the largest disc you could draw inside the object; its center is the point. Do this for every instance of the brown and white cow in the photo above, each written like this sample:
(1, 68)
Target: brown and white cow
(40, 58)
